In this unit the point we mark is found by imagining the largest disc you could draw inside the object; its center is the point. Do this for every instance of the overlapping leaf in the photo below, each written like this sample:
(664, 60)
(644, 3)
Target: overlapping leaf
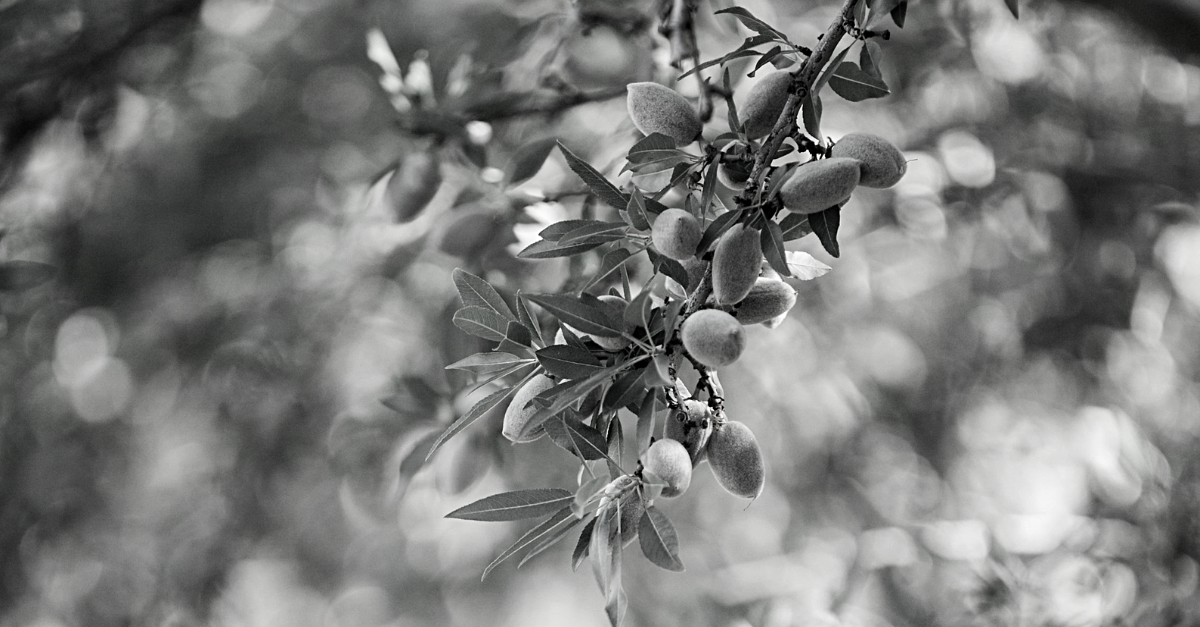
(515, 505)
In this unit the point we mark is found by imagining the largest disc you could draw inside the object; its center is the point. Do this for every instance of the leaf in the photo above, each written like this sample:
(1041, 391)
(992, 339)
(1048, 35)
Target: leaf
(515, 505)
(588, 494)
(753, 23)
(652, 142)
(627, 389)
(483, 363)
(595, 232)
(568, 362)
(600, 186)
(478, 410)
(19, 275)
(531, 536)
(794, 226)
(810, 113)
(665, 265)
(556, 231)
(577, 438)
(868, 58)
(1012, 6)
(612, 260)
(804, 266)
(581, 546)
(659, 542)
(528, 159)
(636, 209)
(829, 70)
(853, 84)
(731, 113)
(743, 50)
(481, 322)
(566, 395)
(771, 240)
(645, 424)
(476, 292)
(766, 58)
(547, 249)
(637, 314)
(585, 313)
(899, 13)
(825, 225)
(529, 320)
(715, 229)
(553, 535)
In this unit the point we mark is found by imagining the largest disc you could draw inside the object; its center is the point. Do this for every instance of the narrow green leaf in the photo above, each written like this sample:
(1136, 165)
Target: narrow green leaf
(552, 536)
(588, 494)
(478, 410)
(612, 260)
(594, 232)
(533, 535)
(600, 186)
(771, 240)
(709, 190)
(528, 159)
(829, 70)
(852, 83)
(581, 546)
(825, 225)
(794, 226)
(639, 218)
(804, 266)
(601, 549)
(529, 320)
(555, 231)
(484, 363)
(658, 540)
(585, 313)
(637, 314)
(899, 13)
(665, 265)
(628, 388)
(766, 58)
(743, 50)
(1013, 7)
(652, 142)
(810, 114)
(753, 23)
(476, 292)
(568, 362)
(645, 425)
(735, 124)
(481, 322)
(16, 276)
(515, 505)
(576, 438)
(546, 249)
(573, 391)
(868, 58)
(715, 229)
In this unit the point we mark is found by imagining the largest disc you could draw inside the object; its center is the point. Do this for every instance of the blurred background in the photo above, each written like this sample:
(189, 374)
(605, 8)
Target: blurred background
(216, 410)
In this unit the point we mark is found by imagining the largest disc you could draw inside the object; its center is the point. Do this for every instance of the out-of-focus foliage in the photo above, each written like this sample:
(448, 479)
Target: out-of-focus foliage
(986, 413)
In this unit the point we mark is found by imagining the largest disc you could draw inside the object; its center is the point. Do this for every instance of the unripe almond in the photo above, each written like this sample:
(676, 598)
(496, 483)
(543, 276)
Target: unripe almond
(670, 461)
(735, 263)
(676, 233)
(736, 459)
(883, 164)
(819, 185)
(520, 409)
(632, 509)
(769, 298)
(656, 108)
(612, 344)
(413, 185)
(713, 337)
(764, 103)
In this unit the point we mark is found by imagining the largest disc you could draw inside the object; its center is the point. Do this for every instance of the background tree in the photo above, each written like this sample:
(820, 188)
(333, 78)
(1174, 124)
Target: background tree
(985, 412)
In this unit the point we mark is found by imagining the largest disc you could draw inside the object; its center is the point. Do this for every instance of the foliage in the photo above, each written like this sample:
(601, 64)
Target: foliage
(232, 230)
